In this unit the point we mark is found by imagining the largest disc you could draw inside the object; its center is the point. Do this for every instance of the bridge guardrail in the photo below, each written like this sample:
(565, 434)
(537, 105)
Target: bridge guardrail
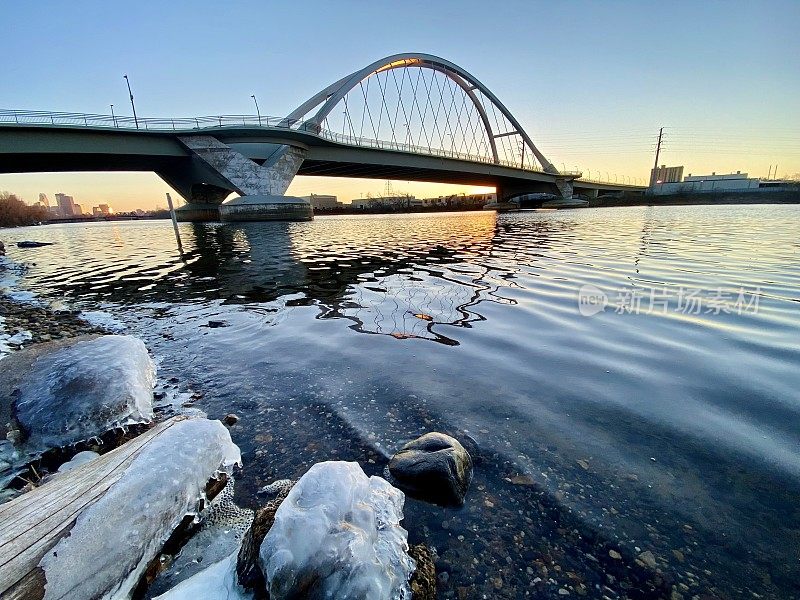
(206, 122)
(23, 117)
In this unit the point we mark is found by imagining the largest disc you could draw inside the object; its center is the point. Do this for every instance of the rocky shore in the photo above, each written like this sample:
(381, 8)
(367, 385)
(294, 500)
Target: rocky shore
(128, 490)
(210, 543)
(43, 324)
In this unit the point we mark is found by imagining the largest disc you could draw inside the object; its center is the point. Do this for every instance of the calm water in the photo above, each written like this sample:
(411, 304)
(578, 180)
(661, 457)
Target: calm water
(667, 423)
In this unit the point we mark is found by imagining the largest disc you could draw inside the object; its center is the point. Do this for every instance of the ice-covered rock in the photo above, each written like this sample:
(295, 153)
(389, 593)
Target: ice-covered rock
(114, 539)
(84, 390)
(337, 535)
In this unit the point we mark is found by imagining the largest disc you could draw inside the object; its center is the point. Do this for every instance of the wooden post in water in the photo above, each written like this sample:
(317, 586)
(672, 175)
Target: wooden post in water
(174, 222)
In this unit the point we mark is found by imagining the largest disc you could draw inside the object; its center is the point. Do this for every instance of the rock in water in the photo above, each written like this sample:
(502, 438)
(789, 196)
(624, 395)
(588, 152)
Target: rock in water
(82, 391)
(114, 539)
(337, 535)
(434, 467)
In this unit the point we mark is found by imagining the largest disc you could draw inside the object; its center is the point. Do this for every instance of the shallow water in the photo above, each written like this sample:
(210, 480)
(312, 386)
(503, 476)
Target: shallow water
(667, 423)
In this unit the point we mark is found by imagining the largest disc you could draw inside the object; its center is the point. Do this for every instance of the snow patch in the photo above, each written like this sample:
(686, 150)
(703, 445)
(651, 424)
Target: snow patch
(10, 274)
(100, 318)
(81, 458)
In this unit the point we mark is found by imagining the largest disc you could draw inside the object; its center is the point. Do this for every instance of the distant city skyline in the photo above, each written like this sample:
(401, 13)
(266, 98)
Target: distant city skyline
(590, 82)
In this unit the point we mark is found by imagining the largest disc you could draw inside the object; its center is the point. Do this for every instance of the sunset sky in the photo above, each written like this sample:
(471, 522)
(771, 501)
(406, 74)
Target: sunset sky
(590, 81)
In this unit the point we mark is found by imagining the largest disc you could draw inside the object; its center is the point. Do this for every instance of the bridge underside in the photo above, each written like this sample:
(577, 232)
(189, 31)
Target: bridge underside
(206, 167)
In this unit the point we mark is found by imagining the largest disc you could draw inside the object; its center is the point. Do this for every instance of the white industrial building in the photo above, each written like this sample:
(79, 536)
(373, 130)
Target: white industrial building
(702, 184)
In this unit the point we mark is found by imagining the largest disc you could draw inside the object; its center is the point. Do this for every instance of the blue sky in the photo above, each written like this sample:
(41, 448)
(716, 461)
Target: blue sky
(590, 81)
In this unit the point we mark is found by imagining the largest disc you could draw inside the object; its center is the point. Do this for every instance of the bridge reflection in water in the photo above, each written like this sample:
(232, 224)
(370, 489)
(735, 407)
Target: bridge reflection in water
(378, 273)
(381, 273)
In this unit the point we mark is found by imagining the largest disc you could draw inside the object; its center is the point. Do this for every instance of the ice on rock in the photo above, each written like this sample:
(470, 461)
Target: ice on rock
(337, 535)
(114, 539)
(84, 390)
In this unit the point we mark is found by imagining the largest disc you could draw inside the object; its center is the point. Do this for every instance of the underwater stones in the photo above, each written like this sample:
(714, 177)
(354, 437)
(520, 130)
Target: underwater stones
(337, 535)
(423, 581)
(434, 467)
(83, 390)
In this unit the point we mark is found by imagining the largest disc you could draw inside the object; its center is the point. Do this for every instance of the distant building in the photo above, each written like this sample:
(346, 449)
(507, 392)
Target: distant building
(65, 205)
(44, 201)
(323, 201)
(403, 201)
(77, 209)
(466, 200)
(703, 184)
(102, 210)
(664, 174)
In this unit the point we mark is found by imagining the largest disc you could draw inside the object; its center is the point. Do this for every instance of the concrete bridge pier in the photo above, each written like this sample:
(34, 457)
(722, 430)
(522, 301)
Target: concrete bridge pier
(217, 171)
(200, 187)
(565, 187)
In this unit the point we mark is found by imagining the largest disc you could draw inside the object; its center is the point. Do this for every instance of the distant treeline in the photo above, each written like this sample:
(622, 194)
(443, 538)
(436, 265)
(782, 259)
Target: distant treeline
(15, 213)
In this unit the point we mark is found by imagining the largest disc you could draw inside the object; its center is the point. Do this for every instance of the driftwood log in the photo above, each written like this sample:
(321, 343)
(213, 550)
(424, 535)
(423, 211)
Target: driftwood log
(32, 524)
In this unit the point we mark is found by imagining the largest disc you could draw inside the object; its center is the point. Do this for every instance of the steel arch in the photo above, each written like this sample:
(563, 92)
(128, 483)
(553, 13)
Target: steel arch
(329, 97)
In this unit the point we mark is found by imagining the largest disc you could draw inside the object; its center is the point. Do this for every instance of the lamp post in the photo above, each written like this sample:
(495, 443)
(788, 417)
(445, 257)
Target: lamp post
(113, 117)
(258, 112)
(133, 106)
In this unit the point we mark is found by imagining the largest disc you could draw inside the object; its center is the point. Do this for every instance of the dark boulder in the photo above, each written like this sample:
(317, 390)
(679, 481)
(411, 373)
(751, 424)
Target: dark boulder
(434, 467)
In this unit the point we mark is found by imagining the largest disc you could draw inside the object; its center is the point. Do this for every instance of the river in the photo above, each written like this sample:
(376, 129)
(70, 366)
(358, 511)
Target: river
(626, 378)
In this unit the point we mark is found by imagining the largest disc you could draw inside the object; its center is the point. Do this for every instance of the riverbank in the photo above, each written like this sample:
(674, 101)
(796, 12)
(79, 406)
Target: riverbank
(708, 199)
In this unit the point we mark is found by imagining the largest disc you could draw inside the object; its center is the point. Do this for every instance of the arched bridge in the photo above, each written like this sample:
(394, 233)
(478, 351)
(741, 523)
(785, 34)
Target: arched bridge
(408, 116)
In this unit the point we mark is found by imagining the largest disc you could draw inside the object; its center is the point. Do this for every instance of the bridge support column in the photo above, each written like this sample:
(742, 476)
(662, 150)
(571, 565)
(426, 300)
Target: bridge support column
(261, 186)
(565, 187)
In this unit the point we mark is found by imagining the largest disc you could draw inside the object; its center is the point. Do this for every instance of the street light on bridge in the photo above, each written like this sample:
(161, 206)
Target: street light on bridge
(113, 116)
(133, 106)
(258, 112)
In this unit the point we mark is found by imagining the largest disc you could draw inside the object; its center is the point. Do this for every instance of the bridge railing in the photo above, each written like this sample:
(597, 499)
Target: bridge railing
(29, 117)
(218, 121)
(413, 148)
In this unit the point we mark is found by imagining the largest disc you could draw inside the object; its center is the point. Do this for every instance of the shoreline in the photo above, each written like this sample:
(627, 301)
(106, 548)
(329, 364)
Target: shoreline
(708, 199)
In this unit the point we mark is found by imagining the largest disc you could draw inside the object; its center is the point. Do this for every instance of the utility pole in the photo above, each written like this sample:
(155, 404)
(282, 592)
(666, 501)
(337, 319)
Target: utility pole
(253, 96)
(658, 151)
(133, 106)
